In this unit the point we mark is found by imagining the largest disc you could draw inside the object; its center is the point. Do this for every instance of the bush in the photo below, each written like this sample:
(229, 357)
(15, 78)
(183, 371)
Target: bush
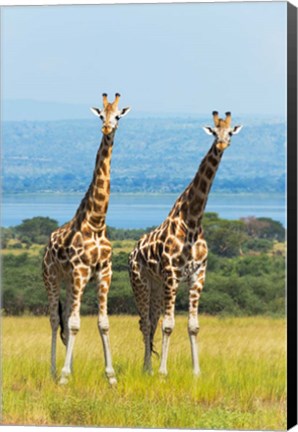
(257, 245)
(264, 228)
(120, 262)
(36, 229)
(224, 238)
(16, 245)
(215, 302)
(259, 265)
(6, 235)
(27, 241)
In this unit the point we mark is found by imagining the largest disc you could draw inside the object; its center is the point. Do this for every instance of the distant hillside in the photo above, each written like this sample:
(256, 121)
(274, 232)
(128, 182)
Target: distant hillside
(151, 154)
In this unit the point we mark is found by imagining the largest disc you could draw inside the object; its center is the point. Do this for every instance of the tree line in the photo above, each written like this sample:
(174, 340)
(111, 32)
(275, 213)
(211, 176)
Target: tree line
(245, 276)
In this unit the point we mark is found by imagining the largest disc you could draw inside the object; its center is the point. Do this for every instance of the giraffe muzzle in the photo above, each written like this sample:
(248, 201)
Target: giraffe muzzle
(221, 145)
(106, 130)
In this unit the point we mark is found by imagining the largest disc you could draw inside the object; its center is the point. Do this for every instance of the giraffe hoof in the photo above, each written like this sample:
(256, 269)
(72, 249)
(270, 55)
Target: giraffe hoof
(147, 370)
(63, 380)
(113, 381)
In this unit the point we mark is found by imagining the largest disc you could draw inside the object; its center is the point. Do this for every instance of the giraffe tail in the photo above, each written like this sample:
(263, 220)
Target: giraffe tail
(61, 323)
(153, 350)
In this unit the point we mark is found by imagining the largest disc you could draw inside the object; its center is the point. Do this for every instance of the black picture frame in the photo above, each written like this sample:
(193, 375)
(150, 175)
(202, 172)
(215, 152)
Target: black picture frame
(292, 216)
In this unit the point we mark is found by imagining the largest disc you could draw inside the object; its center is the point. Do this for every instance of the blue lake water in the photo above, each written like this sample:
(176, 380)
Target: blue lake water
(138, 210)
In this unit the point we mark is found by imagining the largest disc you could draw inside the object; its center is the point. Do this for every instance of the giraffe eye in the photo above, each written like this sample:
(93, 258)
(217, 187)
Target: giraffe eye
(101, 117)
(230, 133)
(117, 118)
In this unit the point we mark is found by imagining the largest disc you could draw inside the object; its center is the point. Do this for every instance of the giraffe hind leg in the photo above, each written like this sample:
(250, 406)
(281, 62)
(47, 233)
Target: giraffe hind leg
(62, 323)
(52, 286)
(156, 308)
(141, 289)
(64, 312)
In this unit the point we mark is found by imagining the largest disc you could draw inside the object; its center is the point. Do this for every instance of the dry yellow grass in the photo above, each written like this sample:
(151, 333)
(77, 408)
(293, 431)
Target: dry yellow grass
(242, 385)
(279, 248)
(34, 250)
(123, 246)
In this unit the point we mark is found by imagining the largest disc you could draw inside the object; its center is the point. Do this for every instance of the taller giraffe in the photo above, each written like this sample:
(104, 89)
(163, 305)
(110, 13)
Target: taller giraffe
(80, 250)
(176, 251)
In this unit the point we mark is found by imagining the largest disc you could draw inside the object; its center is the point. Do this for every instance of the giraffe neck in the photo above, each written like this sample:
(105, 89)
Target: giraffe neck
(191, 204)
(94, 205)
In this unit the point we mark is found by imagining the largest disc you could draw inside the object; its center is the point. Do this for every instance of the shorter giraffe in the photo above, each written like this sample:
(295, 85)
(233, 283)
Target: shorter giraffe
(175, 252)
(80, 250)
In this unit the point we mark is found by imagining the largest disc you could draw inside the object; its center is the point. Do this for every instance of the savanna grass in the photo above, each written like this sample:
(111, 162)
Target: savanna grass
(242, 385)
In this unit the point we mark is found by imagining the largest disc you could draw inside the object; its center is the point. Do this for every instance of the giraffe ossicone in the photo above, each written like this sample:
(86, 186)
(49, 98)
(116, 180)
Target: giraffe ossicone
(80, 250)
(175, 252)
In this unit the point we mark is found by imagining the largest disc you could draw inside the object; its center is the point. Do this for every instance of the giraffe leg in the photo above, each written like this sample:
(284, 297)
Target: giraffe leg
(142, 300)
(156, 306)
(141, 289)
(196, 286)
(53, 352)
(79, 280)
(103, 321)
(66, 316)
(170, 290)
(53, 290)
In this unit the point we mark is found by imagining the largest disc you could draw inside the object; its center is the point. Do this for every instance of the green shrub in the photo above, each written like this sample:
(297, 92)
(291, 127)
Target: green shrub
(215, 302)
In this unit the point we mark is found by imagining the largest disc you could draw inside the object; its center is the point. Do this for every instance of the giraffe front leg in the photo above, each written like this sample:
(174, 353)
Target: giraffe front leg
(170, 291)
(103, 321)
(196, 286)
(79, 280)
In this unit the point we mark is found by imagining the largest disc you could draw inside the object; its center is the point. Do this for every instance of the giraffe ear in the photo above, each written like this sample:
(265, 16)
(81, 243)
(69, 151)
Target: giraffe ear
(96, 111)
(124, 111)
(208, 130)
(236, 129)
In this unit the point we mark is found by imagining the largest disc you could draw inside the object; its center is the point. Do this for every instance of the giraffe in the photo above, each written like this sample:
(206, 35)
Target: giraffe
(80, 250)
(175, 252)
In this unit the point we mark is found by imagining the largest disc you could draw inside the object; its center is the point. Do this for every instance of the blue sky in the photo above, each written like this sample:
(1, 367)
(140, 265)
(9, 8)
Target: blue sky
(185, 58)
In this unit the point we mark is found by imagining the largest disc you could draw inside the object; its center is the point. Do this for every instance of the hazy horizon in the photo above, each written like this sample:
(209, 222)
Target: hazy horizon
(43, 110)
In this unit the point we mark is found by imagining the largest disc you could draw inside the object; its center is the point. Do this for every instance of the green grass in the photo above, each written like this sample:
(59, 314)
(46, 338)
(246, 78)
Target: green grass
(242, 385)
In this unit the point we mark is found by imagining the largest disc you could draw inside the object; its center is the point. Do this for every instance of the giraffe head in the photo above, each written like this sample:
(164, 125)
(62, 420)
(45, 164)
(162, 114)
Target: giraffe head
(222, 130)
(110, 114)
